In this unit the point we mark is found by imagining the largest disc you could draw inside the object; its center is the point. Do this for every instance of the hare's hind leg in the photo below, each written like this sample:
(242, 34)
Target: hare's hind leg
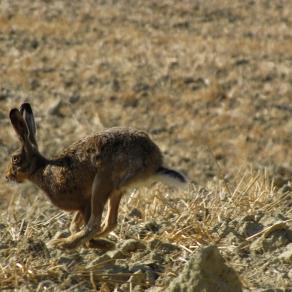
(108, 224)
(111, 219)
(100, 193)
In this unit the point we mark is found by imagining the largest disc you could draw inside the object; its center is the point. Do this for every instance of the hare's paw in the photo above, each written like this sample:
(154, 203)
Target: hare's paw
(56, 243)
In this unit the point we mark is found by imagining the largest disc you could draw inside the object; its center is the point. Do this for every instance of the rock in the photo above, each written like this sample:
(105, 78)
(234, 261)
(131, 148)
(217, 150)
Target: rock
(206, 271)
(102, 244)
(250, 228)
(115, 85)
(54, 110)
(149, 227)
(138, 278)
(116, 273)
(149, 274)
(135, 213)
(70, 259)
(277, 239)
(271, 290)
(116, 254)
(286, 256)
(163, 246)
(131, 245)
(278, 235)
(102, 261)
(74, 98)
(37, 248)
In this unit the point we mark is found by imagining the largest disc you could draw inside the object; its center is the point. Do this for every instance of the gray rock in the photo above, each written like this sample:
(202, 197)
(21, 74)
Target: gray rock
(54, 110)
(131, 245)
(164, 247)
(206, 271)
(277, 239)
(149, 227)
(135, 213)
(74, 98)
(116, 254)
(101, 261)
(250, 228)
(148, 273)
(286, 256)
(116, 273)
(138, 278)
(278, 236)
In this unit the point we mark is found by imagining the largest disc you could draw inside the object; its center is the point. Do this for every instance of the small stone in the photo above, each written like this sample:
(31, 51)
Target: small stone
(149, 227)
(135, 213)
(34, 84)
(116, 254)
(157, 256)
(276, 236)
(117, 273)
(54, 110)
(116, 85)
(37, 248)
(131, 245)
(74, 98)
(70, 259)
(286, 256)
(256, 247)
(250, 228)
(138, 278)
(149, 274)
(277, 239)
(102, 261)
(102, 244)
(162, 246)
(155, 243)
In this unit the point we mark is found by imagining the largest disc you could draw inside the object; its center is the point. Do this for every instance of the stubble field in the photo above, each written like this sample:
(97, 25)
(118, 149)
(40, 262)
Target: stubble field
(210, 81)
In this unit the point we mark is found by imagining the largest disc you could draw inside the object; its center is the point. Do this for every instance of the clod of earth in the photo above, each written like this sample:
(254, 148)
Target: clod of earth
(207, 271)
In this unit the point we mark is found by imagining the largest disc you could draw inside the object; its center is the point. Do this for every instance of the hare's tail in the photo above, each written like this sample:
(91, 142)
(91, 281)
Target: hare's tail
(171, 177)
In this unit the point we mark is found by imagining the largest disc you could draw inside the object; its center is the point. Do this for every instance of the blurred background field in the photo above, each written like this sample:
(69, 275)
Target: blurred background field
(210, 81)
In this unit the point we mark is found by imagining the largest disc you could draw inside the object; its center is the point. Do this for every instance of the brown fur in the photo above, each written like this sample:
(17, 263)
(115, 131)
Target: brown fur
(85, 175)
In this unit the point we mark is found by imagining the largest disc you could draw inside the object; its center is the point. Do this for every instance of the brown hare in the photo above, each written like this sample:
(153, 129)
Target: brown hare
(87, 174)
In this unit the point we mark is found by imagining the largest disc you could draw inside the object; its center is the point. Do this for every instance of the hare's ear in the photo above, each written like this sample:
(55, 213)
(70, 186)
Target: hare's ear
(27, 114)
(19, 125)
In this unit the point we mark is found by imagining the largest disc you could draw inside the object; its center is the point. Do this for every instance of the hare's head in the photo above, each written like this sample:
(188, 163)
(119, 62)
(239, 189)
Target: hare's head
(25, 160)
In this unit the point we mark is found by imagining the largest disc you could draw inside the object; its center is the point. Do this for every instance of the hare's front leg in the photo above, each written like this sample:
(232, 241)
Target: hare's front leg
(100, 193)
(80, 218)
(76, 222)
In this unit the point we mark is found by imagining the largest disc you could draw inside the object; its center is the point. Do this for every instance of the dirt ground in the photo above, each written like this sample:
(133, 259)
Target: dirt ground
(210, 81)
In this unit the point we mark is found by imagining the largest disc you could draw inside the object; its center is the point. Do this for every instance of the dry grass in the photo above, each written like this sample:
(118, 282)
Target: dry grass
(190, 219)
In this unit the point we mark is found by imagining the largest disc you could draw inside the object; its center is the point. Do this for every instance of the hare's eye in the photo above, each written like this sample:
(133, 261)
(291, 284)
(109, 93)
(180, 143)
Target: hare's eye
(16, 159)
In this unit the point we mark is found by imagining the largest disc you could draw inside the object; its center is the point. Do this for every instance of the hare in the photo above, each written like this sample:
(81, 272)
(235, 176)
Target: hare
(87, 174)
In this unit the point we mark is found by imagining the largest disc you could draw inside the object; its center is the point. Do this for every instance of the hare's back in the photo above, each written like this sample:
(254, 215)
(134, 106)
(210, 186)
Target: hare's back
(128, 155)
(127, 144)
(119, 155)
(116, 146)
